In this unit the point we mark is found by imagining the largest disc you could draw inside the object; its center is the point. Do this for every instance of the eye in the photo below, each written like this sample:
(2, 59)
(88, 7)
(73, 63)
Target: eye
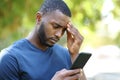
(56, 26)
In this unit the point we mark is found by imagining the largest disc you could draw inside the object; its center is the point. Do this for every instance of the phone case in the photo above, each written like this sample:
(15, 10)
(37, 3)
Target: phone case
(81, 60)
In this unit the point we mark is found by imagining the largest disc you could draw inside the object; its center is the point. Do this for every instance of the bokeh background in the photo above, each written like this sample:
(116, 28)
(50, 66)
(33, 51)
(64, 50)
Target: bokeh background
(97, 20)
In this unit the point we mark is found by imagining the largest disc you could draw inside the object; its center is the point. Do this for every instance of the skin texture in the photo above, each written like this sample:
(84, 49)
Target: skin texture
(49, 28)
(74, 40)
(66, 75)
(69, 75)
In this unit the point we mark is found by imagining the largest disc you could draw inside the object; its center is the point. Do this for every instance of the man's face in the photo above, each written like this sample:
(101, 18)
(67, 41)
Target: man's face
(52, 28)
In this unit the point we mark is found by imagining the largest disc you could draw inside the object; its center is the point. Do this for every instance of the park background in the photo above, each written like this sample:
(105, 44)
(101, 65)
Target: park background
(97, 20)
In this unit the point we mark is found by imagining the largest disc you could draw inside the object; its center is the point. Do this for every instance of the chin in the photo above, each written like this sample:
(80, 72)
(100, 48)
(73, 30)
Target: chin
(50, 45)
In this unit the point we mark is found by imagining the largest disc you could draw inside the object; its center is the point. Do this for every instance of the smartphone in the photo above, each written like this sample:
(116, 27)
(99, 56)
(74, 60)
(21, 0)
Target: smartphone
(81, 60)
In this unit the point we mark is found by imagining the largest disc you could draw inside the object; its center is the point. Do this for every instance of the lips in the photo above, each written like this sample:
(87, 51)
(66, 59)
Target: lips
(54, 40)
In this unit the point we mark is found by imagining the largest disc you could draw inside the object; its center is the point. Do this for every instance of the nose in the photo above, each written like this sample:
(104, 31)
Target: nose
(59, 33)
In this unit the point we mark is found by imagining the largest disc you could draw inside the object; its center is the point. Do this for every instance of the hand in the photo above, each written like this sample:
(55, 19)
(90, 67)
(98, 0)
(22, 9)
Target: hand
(67, 75)
(74, 40)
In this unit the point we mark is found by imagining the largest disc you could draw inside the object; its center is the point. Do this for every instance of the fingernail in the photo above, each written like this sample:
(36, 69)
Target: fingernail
(68, 25)
(68, 29)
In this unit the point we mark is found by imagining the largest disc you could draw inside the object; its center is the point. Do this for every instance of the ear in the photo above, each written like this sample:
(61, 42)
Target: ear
(38, 17)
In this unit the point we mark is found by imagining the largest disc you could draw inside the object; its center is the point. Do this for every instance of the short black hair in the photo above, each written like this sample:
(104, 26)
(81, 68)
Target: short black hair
(52, 5)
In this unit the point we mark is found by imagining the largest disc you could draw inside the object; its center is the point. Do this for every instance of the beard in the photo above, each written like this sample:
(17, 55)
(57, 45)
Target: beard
(42, 36)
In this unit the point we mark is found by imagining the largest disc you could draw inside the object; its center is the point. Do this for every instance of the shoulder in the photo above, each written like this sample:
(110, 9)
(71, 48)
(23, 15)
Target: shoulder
(8, 64)
(19, 43)
(6, 57)
(12, 53)
(14, 48)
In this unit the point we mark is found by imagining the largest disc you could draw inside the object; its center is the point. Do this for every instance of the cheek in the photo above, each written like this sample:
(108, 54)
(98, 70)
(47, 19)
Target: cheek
(49, 31)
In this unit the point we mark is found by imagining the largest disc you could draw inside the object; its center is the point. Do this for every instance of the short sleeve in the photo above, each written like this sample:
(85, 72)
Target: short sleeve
(8, 66)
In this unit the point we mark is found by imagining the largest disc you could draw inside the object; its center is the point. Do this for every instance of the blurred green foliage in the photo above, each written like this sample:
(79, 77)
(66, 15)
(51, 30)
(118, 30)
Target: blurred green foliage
(17, 19)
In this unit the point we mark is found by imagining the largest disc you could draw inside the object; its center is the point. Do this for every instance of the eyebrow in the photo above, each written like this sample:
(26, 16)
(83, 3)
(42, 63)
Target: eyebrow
(59, 25)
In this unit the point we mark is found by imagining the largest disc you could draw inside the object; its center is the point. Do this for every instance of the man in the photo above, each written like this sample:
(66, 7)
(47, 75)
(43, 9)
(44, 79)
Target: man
(38, 57)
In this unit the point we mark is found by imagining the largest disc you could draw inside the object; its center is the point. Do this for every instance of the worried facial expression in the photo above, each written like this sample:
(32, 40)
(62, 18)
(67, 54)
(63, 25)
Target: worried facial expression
(52, 27)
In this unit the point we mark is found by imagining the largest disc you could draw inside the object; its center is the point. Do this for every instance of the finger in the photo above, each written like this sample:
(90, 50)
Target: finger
(74, 77)
(81, 72)
(69, 38)
(69, 31)
(72, 72)
(75, 33)
(82, 75)
(72, 28)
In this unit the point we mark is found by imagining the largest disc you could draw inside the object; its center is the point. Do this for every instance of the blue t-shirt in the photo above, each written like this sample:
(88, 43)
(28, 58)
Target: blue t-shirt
(24, 61)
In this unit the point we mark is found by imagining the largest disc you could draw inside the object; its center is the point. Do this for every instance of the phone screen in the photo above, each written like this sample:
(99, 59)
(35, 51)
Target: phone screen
(81, 60)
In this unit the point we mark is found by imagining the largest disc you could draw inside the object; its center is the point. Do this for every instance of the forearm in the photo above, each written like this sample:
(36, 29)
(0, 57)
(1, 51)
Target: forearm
(73, 57)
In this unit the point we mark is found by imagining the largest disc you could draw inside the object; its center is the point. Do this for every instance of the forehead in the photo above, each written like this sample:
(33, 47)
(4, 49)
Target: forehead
(58, 17)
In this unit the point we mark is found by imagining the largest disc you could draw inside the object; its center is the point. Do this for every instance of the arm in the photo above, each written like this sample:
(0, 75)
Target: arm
(74, 41)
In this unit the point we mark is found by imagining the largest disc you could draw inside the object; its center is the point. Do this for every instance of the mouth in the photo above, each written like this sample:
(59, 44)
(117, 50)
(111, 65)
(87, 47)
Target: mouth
(53, 40)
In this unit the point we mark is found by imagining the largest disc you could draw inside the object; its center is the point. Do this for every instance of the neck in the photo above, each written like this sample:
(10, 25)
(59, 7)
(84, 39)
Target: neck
(34, 39)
